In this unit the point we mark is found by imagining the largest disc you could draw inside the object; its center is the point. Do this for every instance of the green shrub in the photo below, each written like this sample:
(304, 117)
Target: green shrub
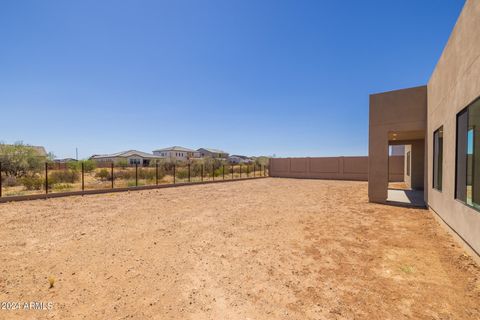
(63, 176)
(148, 174)
(88, 165)
(143, 173)
(123, 163)
(32, 183)
(124, 174)
(196, 169)
(20, 160)
(103, 175)
(219, 172)
(181, 173)
(262, 161)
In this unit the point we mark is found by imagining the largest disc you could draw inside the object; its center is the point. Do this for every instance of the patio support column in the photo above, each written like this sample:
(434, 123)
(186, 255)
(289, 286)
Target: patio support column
(378, 165)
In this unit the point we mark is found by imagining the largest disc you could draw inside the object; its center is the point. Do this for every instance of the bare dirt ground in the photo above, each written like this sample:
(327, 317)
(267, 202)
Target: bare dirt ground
(258, 249)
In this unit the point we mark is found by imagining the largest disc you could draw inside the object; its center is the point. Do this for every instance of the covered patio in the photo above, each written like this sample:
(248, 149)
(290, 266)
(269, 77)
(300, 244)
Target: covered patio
(398, 118)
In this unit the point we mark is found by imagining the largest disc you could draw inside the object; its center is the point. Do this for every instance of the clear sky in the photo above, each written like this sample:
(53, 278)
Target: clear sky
(254, 77)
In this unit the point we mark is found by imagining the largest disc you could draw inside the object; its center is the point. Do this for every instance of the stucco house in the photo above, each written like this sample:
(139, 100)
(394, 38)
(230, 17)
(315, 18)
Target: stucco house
(133, 157)
(177, 153)
(439, 124)
(235, 159)
(213, 153)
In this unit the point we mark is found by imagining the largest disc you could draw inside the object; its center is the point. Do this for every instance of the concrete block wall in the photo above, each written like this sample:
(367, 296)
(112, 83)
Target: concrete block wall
(335, 168)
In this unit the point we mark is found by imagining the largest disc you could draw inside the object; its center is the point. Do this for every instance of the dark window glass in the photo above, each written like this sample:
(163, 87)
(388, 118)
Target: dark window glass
(468, 155)
(438, 158)
(408, 163)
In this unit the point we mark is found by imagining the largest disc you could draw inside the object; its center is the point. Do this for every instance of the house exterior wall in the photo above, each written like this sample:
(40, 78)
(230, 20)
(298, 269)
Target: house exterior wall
(339, 168)
(407, 166)
(175, 155)
(129, 160)
(454, 84)
(205, 153)
(395, 111)
(396, 168)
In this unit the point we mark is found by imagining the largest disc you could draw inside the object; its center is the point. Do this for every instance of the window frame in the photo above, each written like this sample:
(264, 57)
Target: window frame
(409, 159)
(455, 194)
(439, 165)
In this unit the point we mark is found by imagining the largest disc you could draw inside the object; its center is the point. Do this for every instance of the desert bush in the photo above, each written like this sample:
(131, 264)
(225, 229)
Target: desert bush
(182, 173)
(219, 171)
(196, 169)
(88, 165)
(9, 181)
(146, 173)
(20, 160)
(124, 174)
(262, 161)
(123, 163)
(215, 163)
(103, 175)
(63, 176)
(143, 173)
(33, 183)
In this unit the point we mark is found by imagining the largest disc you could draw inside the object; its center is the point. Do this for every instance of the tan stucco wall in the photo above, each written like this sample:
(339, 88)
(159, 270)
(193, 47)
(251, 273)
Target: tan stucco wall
(395, 111)
(418, 165)
(341, 168)
(408, 175)
(395, 168)
(454, 84)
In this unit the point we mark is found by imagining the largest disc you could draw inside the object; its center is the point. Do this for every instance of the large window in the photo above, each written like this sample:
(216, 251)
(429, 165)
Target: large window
(438, 158)
(468, 155)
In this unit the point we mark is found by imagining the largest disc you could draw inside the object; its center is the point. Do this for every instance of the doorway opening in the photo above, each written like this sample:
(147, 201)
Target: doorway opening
(406, 170)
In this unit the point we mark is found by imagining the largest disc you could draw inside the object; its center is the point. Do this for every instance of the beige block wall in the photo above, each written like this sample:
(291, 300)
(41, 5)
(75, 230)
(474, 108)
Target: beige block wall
(339, 168)
(454, 84)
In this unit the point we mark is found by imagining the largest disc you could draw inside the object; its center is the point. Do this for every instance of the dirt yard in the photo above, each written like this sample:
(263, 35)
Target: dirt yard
(258, 249)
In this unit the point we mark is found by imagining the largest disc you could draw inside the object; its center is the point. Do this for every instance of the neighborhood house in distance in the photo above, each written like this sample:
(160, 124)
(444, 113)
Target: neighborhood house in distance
(173, 154)
(133, 157)
(145, 159)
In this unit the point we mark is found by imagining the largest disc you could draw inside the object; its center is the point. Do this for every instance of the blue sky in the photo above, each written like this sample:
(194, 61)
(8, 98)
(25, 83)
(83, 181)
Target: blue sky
(289, 78)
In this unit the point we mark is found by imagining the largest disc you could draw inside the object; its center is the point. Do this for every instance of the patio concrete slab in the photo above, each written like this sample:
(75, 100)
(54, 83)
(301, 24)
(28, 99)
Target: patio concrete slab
(411, 198)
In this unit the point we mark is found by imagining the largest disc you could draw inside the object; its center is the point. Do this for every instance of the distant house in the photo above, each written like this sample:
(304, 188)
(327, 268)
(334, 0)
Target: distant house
(212, 153)
(133, 157)
(65, 160)
(235, 159)
(177, 153)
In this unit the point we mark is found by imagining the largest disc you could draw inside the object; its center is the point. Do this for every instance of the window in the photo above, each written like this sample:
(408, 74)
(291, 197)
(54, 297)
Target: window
(408, 163)
(438, 159)
(134, 161)
(467, 184)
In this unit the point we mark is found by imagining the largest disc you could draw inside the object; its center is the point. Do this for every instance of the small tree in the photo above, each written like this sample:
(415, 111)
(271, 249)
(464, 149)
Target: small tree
(262, 161)
(20, 160)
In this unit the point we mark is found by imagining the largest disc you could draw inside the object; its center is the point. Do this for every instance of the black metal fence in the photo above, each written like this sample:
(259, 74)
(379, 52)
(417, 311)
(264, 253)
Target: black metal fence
(55, 178)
